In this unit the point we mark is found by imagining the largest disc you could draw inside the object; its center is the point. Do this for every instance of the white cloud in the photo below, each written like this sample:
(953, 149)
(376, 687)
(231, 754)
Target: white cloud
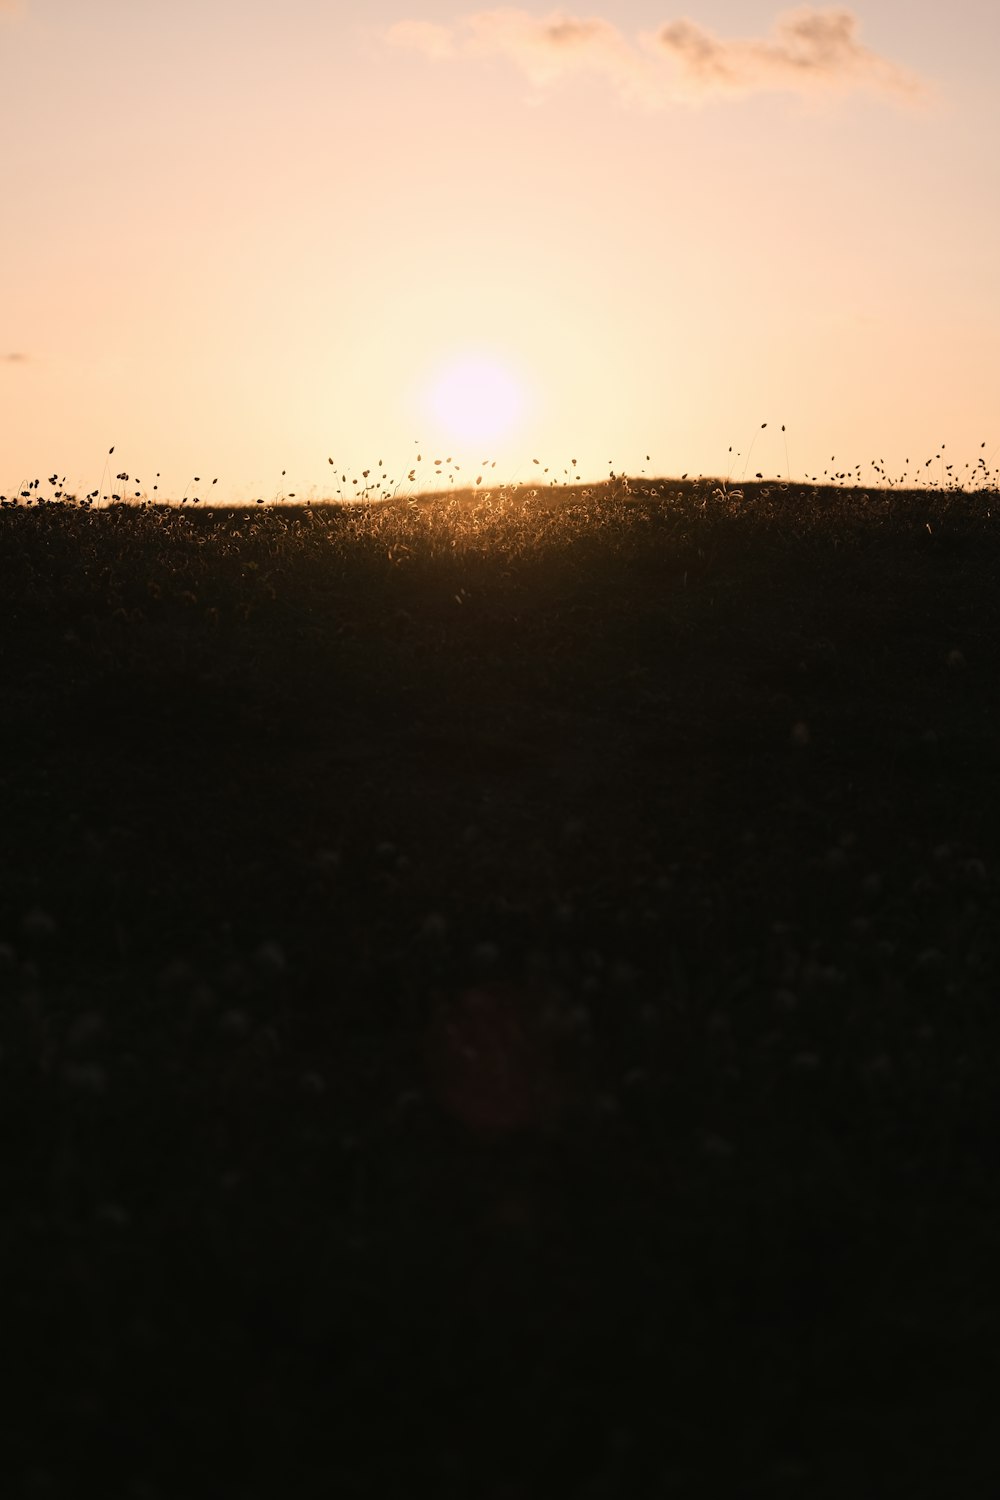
(808, 51)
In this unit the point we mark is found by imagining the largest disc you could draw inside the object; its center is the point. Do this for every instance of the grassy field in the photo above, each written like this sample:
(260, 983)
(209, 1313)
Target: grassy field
(499, 995)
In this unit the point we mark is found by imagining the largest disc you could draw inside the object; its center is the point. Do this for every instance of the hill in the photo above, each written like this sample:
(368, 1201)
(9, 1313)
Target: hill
(499, 992)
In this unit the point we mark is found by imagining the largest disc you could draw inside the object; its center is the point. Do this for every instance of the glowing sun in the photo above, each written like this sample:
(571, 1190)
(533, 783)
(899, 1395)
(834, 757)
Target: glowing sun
(475, 398)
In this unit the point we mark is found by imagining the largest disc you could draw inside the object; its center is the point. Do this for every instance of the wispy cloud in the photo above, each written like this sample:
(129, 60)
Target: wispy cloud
(424, 36)
(544, 48)
(808, 51)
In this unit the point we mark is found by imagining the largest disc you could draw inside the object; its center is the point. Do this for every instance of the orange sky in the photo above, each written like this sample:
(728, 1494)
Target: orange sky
(242, 238)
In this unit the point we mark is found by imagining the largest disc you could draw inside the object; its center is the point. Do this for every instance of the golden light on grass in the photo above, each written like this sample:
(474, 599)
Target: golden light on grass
(475, 398)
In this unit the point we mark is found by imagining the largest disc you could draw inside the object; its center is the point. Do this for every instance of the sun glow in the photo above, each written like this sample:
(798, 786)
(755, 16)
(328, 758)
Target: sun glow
(475, 398)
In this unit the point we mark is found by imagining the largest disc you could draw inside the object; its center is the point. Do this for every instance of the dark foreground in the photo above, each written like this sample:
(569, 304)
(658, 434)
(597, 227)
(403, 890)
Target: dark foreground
(502, 1002)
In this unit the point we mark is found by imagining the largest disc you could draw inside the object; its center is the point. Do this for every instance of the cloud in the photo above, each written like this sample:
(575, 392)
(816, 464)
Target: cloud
(423, 36)
(14, 359)
(808, 51)
(544, 48)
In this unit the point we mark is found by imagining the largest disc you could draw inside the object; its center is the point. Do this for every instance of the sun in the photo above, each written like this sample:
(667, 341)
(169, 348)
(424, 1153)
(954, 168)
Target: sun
(474, 398)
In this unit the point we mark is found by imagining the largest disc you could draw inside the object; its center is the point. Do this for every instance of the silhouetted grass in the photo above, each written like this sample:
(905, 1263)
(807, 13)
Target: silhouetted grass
(501, 990)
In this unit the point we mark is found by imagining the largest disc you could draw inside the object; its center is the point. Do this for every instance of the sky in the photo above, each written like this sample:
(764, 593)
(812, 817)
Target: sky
(243, 239)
